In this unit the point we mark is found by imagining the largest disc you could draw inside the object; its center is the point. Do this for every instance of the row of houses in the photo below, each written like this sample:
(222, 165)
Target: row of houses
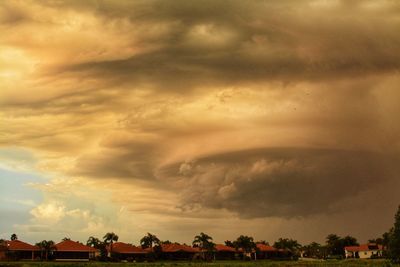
(65, 250)
(69, 250)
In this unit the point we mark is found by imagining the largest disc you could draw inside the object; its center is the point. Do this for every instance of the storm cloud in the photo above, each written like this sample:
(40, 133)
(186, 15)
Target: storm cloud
(288, 182)
(248, 43)
(265, 112)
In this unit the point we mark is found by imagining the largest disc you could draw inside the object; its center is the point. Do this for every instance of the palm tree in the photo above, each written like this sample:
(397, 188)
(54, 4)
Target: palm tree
(93, 242)
(46, 246)
(204, 242)
(14, 237)
(109, 239)
(289, 244)
(246, 243)
(98, 244)
(149, 240)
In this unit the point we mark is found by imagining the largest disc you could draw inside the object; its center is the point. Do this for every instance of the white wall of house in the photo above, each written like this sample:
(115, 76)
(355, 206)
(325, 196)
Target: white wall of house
(368, 254)
(349, 254)
(363, 254)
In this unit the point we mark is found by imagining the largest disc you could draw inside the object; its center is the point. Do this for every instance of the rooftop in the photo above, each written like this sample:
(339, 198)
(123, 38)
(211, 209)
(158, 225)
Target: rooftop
(120, 247)
(19, 245)
(265, 248)
(177, 248)
(220, 247)
(69, 245)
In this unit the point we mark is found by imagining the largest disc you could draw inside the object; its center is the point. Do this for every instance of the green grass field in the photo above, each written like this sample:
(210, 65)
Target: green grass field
(260, 263)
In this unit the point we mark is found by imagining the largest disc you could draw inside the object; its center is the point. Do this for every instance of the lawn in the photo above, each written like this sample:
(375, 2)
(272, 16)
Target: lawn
(260, 263)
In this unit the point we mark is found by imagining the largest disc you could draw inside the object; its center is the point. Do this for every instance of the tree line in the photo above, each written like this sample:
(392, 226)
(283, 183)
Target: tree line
(333, 247)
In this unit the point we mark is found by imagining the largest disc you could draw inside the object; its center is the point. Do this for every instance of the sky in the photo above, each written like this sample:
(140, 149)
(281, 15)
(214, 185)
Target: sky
(263, 118)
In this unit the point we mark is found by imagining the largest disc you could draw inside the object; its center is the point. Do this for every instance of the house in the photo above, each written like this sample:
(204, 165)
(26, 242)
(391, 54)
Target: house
(126, 252)
(266, 252)
(223, 252)
(3, 251)
(19, 250)
(178, 252)
(69, 250)
(366, 251)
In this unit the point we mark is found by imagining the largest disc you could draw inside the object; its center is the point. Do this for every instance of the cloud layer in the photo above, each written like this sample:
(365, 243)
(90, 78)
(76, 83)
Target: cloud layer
(283, 182)
(281, 113)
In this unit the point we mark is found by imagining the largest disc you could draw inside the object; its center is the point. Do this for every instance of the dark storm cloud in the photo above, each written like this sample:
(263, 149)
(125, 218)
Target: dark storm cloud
(249, 42)
(119, 159)
(282, 182)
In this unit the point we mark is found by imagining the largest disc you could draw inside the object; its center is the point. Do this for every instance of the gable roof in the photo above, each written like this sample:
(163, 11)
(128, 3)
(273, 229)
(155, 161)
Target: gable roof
(265, 248)
(124, 248)
(220, 247)
(69, 245)
(177, 248)
(19, 245)
(364, 247)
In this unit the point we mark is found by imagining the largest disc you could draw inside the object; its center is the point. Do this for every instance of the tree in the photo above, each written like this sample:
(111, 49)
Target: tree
(349, 241)
(229, 243)
(66, 239)
(149, 240)
(98, 244)
(314, 250)
(93, 242)
(333, 244)
(109, 238)
(263, 242)
(204, 242)
(46, 247)
(246, 243)
(394, 243)
(290, 245)
(386, 238)
(14, 237)
(378, 241)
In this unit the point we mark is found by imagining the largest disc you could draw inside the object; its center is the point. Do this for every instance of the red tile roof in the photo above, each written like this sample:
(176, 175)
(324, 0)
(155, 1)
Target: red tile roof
(364, 247)
(177, 248)
(69, 245)
(148, 249)
(19, 245)
(120, 247)
(265, 248)
(197, 249)
(220, 247)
